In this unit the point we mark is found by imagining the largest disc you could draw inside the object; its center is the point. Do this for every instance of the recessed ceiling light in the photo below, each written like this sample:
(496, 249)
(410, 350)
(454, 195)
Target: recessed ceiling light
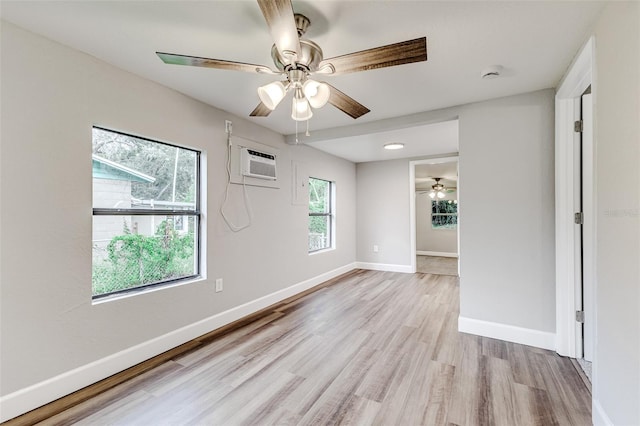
(393, 145)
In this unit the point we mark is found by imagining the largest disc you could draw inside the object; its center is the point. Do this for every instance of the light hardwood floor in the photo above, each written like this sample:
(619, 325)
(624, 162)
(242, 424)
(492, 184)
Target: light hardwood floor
(437, 265)
(374, 348)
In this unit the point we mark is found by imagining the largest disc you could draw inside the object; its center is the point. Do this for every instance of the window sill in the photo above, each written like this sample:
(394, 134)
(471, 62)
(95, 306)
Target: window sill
(145, 290)
(321, 251)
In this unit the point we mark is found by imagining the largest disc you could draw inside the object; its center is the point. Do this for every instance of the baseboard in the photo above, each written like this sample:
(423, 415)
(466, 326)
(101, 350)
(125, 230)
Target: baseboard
(509, 333)
(29, 398)
(436, 253)
(384, 267)
(598, 415)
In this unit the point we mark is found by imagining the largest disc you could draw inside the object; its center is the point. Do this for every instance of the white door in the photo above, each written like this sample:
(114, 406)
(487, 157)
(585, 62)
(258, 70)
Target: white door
(584, 269)
(588, 243)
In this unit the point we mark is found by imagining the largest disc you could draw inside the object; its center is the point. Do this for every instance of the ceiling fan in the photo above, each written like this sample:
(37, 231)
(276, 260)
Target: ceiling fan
(437, 189)
(297, 59)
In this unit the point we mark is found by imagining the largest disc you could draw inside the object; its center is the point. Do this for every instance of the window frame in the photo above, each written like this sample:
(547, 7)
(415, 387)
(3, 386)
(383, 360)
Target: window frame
(196, 213)
(330, 214)
(432, 215)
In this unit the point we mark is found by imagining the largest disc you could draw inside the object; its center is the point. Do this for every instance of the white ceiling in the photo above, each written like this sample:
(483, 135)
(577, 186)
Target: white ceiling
(427, 140)
(535, 41)
(424, 174)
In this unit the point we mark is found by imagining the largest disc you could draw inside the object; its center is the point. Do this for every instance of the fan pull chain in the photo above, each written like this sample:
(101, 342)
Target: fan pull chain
(307, 134)
(296, 132)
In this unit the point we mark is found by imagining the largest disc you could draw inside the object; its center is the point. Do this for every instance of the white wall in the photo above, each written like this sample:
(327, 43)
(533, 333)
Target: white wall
(617, 130)
(506, 257)
(51, 96)
(427, 238)
(508, 254)
(383, 212)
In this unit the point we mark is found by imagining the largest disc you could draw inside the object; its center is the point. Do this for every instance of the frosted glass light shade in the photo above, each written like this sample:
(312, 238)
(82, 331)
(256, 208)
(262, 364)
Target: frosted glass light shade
(300, 109)
(440, 194)
(317, 93)
(432, 194)
(393, 145)
(271, 94)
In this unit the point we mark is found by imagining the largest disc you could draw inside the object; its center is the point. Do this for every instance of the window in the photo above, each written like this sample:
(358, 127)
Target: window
(146, 213)
(320, 214)
(444, 214)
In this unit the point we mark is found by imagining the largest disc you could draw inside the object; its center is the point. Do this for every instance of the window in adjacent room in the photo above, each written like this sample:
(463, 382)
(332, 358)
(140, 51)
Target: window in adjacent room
(444, 214)
(146, 213)
(321, 214)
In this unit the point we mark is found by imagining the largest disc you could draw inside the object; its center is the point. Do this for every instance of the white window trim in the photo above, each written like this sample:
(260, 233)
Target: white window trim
(200, 228)
(332, 214)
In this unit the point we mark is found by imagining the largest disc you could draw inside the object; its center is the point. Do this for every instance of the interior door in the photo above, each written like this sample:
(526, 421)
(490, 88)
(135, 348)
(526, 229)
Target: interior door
(578, 242)
(588, 243)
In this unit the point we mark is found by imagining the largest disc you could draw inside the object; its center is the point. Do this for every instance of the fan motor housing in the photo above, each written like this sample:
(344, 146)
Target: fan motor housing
(310, 57)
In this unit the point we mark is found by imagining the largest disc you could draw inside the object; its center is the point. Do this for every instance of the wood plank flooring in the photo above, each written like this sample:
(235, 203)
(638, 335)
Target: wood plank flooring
(437, 265)
(375, 348)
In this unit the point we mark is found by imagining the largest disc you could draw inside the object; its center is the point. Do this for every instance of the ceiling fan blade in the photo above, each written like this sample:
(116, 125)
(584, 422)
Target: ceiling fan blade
(404, 52)
(282, 25)
(194, 61)
(345, 103)
(260, 111)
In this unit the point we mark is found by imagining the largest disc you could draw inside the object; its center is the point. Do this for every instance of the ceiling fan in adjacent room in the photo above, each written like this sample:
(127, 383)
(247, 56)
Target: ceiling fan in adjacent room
(299, 59)
(438, 190)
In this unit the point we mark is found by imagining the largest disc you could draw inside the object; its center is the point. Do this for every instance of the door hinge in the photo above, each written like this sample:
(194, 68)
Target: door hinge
(580, 316)
(577, 126)
(578, 218)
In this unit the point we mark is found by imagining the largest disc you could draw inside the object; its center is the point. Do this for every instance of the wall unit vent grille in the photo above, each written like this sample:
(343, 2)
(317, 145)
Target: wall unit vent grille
(257, 164)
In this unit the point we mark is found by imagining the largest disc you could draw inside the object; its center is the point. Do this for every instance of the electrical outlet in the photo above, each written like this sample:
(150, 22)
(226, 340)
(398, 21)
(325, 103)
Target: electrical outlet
(218, 285)
(228, 126)
(375, 248)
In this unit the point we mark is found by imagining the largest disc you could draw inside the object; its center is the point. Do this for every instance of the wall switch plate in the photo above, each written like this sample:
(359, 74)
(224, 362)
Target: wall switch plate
(218, 285)
(375, 248)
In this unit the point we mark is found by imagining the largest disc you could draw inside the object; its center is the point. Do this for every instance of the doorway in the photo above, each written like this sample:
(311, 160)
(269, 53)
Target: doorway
(576, 286)
(434, 215)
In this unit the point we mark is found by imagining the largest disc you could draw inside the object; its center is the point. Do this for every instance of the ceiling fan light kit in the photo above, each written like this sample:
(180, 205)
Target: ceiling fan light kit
(296, 59)
(437, 189)
(317, 93)
(271, 94)
(300, 108)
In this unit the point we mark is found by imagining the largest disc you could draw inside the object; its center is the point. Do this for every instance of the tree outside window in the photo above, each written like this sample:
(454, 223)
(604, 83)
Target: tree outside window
(320, 214)
(444, 214)
(146, 213)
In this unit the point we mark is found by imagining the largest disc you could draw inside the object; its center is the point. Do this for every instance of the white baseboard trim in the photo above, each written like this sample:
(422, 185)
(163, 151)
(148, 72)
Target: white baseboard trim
(34, 396)
(436, 253)
(509, 333)
(384, 267)
(599, 416)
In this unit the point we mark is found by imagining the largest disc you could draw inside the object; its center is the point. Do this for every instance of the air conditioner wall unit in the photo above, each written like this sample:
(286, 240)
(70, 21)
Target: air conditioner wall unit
(257, 164)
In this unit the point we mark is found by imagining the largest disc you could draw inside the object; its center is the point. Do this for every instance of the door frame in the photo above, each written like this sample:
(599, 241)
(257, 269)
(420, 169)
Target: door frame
(567, 104)
(412, 203)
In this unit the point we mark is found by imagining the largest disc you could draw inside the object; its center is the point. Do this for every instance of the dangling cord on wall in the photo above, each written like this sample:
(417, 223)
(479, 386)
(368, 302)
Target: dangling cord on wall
(247, 207)
(307, 134)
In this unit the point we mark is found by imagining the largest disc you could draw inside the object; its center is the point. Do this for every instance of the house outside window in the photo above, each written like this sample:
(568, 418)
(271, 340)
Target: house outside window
(146, 213)
(444, 214)
(321, 214)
